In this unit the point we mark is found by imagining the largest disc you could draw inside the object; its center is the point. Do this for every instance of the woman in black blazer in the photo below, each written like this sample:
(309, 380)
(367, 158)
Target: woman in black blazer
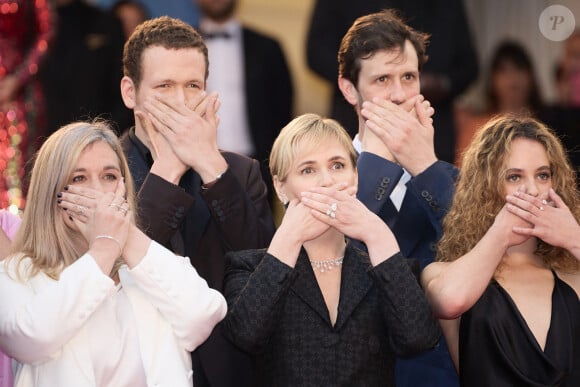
(315, 308)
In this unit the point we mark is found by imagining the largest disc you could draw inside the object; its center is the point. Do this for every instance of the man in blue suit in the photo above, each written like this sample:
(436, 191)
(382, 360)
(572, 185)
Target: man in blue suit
(400, 177)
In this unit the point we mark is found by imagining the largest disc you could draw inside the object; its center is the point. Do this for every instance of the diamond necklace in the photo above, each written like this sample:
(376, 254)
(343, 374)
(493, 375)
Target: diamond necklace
(326, 264)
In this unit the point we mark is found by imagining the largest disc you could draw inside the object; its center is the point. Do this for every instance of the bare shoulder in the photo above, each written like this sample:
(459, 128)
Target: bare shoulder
(572, 279)
(432, 271)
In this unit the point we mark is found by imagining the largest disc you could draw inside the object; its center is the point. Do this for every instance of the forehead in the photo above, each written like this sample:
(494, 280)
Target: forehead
(323, 147)
(96, 153)
(394, 59)
(161, 62)
(525, 150)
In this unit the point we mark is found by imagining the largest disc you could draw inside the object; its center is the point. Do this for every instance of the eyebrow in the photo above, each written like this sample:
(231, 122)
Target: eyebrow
(542, 168)
(106, 168)
(333, 158)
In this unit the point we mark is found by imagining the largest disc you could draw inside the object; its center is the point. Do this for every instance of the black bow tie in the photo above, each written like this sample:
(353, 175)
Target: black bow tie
(216, 35)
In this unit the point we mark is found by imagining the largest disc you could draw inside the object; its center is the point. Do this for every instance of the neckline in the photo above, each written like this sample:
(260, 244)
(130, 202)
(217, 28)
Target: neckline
(521, 318)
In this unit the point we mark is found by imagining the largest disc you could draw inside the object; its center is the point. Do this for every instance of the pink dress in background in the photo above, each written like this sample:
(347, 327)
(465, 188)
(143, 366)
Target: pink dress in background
(9, 224)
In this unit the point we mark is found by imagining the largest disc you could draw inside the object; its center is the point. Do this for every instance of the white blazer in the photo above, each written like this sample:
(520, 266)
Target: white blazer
(42, 321)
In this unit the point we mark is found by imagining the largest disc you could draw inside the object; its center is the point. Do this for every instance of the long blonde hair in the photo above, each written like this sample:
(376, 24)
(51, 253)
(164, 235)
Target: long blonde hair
(43, 235)
(479, 193)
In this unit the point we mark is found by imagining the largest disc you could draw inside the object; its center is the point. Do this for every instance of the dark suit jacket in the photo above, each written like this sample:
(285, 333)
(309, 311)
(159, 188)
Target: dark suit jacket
(269, 95)
(279, 314)
(83, 66)
(269, 91)
(233, 214)
(451, 52)
(417, 227)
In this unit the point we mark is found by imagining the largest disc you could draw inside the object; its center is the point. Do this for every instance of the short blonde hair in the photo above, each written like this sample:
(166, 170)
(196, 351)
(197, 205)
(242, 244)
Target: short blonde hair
(306, 130)
(43, 235)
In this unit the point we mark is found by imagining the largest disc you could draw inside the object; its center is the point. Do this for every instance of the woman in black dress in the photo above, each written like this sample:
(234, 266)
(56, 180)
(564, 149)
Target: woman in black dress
(507, 282)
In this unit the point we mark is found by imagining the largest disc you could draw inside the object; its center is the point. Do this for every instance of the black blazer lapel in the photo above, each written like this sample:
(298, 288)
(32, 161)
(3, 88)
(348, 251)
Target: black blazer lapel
(198, 216)
(355, 283)
(306, 287)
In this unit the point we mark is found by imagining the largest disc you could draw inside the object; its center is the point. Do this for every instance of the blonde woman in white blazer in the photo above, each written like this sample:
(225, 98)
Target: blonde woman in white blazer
(86, 298)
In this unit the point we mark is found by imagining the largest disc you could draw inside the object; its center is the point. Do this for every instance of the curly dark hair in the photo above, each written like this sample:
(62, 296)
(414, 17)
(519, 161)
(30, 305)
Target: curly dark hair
(383, 30)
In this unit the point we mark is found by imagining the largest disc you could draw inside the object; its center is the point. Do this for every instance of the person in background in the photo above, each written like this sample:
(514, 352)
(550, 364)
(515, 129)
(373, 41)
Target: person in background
(507, 282)
(81, 74)
(511, 87)
(400, 178)
(194, 198)
(251, 75)
(26, 28)
(312, 307)
(131, 13)
(451, 68)
(92, 300)
(185, 10)
(563, 116)
(9, 223)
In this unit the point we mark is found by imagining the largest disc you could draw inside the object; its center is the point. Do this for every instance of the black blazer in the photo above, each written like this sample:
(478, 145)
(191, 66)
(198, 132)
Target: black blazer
(269, 91)
(279, 314)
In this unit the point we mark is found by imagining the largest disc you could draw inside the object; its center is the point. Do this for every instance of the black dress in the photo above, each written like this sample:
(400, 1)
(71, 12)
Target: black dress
(497, 348)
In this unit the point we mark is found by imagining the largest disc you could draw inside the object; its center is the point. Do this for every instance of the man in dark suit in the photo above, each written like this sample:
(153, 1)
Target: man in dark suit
(400, 178)
(250, 73)
(199, 201)
(452, 64)
(80, 76)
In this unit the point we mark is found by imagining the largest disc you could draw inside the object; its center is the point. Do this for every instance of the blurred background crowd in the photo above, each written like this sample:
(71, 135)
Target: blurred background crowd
(60, 60)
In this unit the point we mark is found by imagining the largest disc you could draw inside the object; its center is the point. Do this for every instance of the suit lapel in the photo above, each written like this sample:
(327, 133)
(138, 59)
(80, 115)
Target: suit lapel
(306, 287)
(355, 284)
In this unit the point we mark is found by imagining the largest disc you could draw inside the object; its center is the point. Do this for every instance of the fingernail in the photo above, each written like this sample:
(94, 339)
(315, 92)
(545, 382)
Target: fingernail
(59, 201)
(70, 217)
(59, 195)
(66, 187)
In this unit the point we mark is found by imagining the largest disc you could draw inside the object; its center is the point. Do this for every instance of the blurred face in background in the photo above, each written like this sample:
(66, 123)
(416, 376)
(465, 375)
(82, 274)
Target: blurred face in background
(217, 10)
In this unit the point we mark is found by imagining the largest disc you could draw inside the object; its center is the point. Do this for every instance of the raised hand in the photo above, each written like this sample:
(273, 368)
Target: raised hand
(339, 208)
(103, 219)
(406, 130)
(191, 131)
(548, 218)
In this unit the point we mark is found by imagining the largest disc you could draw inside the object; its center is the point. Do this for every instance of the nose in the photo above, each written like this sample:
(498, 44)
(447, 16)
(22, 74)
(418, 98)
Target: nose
(532, 188)
(326, 179)
(397, 93)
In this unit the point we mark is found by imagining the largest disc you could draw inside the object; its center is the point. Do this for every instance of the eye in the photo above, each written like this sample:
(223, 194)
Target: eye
(338, 165)
(307, 171)
(162, 86)
(409, 76)
(512, 178)
(382, 79)
(78, 179)
(110, 176)
(545, 176)
(193, 86)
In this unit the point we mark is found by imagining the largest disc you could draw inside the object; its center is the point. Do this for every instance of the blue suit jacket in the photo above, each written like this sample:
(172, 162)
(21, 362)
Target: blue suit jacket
(417, 227)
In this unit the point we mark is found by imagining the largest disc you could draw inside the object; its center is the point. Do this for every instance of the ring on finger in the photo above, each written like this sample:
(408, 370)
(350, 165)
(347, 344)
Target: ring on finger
(80, 210)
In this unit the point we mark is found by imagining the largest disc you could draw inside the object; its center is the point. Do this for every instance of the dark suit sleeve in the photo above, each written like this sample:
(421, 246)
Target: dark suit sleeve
(376, 181)
(256, 284)
(239, 205)
(324, 36)
(433, 189)
(162, 207)
(412, 327)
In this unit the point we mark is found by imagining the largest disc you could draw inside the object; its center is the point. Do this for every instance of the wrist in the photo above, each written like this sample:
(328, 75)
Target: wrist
(172, 175)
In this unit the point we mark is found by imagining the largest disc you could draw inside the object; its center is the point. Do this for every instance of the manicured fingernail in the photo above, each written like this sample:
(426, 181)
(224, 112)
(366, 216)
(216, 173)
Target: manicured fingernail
(59, 201)
(70, 217)
(59, 195)
(66, 187)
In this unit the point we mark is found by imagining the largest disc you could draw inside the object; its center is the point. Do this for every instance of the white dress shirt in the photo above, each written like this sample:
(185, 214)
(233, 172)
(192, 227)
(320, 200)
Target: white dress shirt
(226, 76)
